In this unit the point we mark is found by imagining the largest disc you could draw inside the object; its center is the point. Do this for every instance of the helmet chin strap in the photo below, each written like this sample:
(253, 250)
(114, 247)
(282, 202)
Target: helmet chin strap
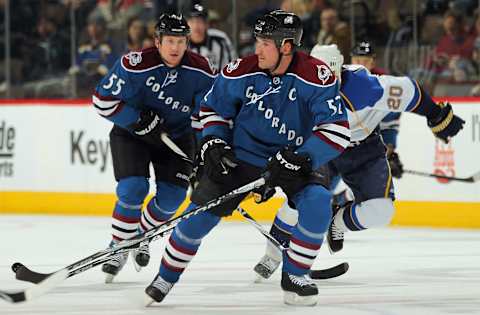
(280, 56)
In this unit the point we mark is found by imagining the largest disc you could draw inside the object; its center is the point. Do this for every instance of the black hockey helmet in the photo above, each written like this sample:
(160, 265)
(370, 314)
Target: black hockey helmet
(172, 24)
(198, 10)
(280, 26)
(363, 48)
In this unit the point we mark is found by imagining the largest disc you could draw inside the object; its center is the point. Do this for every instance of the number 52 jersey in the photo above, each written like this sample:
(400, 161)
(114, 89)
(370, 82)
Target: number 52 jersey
(259, 114)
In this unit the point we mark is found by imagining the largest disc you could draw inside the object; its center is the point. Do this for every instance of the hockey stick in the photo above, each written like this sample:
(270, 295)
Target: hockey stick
(316, 274)
(472, 179)
(172, 146)
(25, 274)
(328, 273)
(41, 288)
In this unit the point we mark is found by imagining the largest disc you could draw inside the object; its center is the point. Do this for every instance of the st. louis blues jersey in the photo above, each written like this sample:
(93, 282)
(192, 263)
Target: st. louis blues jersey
(140, 80)
(370, 98)
(260, 114)
(389, 127)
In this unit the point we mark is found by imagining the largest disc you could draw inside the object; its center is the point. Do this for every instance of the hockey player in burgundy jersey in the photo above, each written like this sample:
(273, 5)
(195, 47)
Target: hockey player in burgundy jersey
(277, 111)
(363, 165)
(146, 93)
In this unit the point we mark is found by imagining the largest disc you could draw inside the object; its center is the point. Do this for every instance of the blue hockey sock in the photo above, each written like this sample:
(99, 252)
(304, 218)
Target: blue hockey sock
(184, 243)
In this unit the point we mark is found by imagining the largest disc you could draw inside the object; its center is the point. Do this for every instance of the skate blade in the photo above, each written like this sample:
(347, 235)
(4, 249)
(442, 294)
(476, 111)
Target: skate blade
(109, 278)
(262, 272)
(291, 298)
(258, 278)
(137, 267)
(148, 300)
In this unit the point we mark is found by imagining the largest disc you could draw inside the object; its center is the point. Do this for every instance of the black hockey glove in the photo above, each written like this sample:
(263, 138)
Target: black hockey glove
(217, 157)
(396, 166)
(446, 125)
(149, 127)
(288, 170)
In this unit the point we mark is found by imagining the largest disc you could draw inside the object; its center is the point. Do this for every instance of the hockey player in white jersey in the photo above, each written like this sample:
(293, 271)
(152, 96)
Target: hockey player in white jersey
(363, 165)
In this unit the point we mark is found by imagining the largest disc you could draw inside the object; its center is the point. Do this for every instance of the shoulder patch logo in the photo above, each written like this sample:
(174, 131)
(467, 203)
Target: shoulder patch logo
(233, 65)
(134, 58)
(288, 20)
(324, 73)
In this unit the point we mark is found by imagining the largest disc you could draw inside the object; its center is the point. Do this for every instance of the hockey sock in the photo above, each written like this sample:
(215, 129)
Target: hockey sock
(347, 220)
(307, 235)
(367, 214)
(163, 206)
(184, 243)
(131, 192)
(281, 229)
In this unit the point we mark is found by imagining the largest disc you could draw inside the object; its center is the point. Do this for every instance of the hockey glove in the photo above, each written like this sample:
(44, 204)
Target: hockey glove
(288, 170)
(396, 166)
(149, 127)
(217, 157)
(446, 124)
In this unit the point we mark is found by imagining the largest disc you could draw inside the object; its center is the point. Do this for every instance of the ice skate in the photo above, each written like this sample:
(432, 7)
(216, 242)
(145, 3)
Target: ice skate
(265, 268)
(157, 290)
(299, 290)
(141, 256)
(112, 267)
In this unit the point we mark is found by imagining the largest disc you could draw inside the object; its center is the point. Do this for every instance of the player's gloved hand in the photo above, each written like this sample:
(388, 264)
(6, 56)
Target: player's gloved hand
(217, 157)
(446, 124)
(288, 170)
(396, 166)
(149, 127)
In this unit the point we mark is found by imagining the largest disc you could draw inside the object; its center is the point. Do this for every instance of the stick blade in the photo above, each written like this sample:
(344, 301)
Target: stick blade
(475, 177)
(37, 290)
(333, 272)
(22, 273)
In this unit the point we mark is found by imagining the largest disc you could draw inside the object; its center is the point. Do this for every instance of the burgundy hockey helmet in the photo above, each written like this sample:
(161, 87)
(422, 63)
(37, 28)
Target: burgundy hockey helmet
(280, 26)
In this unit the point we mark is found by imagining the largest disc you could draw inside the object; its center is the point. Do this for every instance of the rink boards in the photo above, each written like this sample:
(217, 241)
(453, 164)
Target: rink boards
(55, 159)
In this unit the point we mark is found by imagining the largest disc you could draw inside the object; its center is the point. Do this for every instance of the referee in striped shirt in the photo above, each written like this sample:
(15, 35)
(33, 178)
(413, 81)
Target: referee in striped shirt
(209, 42)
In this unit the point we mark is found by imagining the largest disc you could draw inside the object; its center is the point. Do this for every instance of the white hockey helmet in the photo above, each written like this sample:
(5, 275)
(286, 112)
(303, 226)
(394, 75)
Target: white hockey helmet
(331, 56)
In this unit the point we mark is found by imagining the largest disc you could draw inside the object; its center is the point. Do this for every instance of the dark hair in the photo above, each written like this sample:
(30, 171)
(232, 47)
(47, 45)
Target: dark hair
(129, 24)
(457, 16)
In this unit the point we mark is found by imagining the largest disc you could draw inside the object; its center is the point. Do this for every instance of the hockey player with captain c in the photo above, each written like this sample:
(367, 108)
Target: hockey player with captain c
(363, 165)
(279, 112)
(146, 93)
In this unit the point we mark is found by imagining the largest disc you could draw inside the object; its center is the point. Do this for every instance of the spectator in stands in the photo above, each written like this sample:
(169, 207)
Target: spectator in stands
(476, 63)
(311, 22)
(208, 42)
(364, 54)
(136, 34)
(94, 57)
(50, 55)
(454, 50)
(334, 31)
(23, 17)
(117, 13)
(475, 31)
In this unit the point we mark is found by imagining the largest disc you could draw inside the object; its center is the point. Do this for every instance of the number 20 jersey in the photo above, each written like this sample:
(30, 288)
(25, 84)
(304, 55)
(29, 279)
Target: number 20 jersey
(370, 98)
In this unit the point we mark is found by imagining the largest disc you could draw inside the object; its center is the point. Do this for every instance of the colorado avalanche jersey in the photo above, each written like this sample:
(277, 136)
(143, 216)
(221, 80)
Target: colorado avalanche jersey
(259, 114)
(370, 98)
(140, 80)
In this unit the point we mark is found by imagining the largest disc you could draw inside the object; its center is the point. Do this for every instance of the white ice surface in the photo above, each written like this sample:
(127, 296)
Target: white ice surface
(392, 271)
